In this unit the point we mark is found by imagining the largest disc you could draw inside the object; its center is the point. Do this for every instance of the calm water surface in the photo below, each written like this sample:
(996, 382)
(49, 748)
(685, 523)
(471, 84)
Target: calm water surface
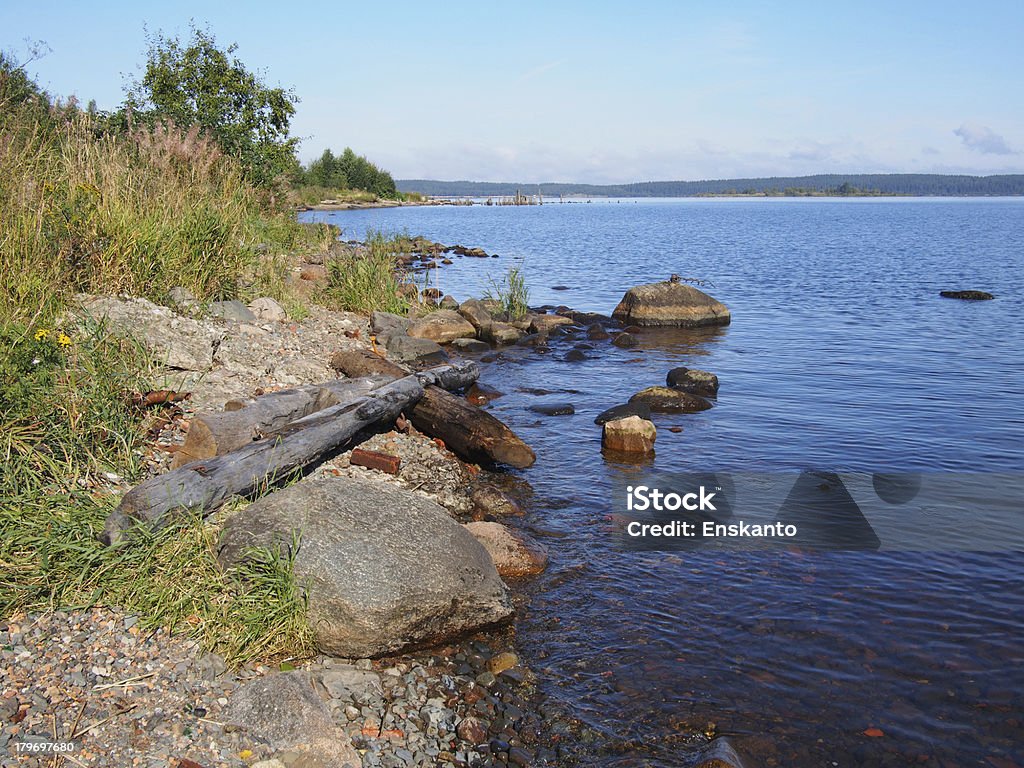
(841, 356)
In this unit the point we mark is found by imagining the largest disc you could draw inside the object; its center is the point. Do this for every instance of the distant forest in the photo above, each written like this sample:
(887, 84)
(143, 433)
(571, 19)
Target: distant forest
(923, 184)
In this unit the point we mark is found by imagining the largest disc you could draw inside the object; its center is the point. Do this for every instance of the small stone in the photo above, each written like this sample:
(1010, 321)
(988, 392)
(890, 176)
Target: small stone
(472, 731)
(502, 661)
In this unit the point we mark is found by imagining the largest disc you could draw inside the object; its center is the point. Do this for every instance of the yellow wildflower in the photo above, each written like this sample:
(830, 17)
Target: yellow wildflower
(42, 334)
(63, 340)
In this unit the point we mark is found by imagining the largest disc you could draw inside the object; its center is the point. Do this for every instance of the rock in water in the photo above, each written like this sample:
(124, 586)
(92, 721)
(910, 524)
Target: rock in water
(513, 552)
(665, 400)
(967, 295)
(383, 568)
(284, 711)
(617, 412)
(694, 381)
(629, 435)
(671, 304)
(442, 326)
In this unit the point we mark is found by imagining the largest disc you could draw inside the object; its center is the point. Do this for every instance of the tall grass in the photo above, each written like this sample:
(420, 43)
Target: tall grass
(512, 293)
(68, 426)
(138, 213)
(370, 279)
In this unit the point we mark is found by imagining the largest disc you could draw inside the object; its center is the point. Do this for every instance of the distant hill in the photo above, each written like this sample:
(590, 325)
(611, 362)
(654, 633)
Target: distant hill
(924, 184)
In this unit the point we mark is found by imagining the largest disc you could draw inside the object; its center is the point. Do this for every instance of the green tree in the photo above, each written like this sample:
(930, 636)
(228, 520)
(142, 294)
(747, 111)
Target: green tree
(198, 84)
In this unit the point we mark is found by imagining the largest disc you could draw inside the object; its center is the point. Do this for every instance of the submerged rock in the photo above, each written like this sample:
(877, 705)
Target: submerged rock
(666, 400)
(383, 568)
(967, 295)
(629, 435)
(488, 500)
(553, 409)
(626, 341)
(694, 381)
(670, 304)
(513, 552)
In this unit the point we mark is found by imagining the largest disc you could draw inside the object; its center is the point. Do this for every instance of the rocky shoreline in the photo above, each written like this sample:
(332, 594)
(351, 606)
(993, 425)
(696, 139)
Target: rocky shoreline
(132, 698)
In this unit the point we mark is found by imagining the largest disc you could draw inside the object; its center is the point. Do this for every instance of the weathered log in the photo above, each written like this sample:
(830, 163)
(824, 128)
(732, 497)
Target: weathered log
(214, 434)
(207, 484)
(473, 434)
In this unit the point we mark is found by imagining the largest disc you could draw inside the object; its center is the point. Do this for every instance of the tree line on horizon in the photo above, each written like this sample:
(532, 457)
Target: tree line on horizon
(914, 184)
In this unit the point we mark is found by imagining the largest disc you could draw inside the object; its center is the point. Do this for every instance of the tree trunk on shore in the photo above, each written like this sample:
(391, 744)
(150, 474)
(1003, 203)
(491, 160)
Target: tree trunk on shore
(207, 484)
(241, 422)
(473, 434)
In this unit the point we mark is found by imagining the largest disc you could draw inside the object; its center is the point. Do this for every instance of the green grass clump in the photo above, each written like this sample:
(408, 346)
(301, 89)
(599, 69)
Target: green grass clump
(512, 293)
(369, 279)
(139, 213)
(68, 422)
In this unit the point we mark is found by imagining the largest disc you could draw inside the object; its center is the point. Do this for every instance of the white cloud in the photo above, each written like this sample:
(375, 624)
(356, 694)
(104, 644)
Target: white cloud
(981, 138)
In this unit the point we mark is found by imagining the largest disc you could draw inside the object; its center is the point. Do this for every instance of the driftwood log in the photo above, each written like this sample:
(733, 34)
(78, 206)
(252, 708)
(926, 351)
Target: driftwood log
(241, 422)
(207, 484)
(473, 434)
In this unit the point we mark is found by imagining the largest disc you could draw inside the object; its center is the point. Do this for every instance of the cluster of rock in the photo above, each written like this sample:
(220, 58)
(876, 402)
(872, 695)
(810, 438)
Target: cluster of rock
(470, 327)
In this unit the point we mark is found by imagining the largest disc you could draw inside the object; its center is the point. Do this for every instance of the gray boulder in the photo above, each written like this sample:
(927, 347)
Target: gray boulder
(232, 310)
(442, 326)
(406, 349)
(383, 568)
(285, 711)
(666, 400)
(671, 304)
(267, 310)
(174, 341)
(694, 381)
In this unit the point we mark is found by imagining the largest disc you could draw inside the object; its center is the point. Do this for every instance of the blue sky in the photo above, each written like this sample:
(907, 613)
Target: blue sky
(597, 91)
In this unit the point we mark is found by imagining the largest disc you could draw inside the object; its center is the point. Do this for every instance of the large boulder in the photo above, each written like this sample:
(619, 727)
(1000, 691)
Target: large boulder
(476, 313)
(666, 400)
(383, 568)
(513, 552)
(442, 326)
(502, 334)
(545, 323)
(672, 304)
(629, 435)
(174, 341)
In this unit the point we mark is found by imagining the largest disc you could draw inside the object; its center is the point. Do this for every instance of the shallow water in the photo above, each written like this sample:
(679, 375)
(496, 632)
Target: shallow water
(840, 357)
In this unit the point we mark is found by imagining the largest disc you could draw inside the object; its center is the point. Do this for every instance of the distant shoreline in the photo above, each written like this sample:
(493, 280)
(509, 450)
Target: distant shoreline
(821, 185)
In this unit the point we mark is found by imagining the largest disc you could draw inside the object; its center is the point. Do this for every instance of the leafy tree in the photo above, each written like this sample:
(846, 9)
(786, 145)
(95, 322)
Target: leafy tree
(198, 84)
(351, 171)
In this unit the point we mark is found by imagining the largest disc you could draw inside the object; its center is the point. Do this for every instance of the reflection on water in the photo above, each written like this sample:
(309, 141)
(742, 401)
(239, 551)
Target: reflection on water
(841, 358)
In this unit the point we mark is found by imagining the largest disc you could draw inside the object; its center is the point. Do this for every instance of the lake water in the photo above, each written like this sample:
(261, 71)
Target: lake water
(841, 357)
